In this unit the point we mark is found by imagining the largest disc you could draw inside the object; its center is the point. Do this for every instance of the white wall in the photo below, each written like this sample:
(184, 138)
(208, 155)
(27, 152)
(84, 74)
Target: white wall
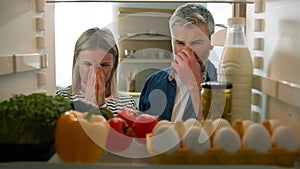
(71, 20)
(277, 11)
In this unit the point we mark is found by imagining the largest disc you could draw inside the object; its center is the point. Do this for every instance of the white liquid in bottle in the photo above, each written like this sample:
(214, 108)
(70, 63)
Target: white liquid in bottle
(236, 67)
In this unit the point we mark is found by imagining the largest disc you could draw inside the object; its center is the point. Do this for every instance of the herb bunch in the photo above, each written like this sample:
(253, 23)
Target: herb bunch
(31, 119)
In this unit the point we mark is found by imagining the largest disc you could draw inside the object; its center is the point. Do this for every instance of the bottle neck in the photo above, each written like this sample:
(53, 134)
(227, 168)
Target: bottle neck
(235, 36)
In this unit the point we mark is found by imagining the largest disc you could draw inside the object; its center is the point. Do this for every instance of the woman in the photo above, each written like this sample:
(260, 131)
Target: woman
(95, 63)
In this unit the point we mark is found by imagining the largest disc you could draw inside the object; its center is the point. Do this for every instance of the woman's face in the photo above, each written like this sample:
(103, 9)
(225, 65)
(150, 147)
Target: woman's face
(195, 38)
(97, 57)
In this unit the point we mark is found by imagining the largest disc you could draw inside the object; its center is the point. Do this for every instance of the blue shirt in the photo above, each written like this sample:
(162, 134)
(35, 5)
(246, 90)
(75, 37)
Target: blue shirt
(159, 92)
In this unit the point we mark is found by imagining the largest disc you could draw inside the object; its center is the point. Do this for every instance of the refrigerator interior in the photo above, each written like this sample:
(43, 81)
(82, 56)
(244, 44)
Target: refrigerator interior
(276, 87)
(273, 99)
(276, 57)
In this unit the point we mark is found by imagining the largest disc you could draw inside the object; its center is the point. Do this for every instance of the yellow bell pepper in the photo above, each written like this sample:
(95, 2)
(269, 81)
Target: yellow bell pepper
(80, 137)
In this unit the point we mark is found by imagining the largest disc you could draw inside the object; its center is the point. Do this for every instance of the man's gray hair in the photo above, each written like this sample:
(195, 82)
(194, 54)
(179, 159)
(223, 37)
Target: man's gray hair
(195, 14)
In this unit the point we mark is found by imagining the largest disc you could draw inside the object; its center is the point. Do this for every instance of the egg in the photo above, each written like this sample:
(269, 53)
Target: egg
(219, 123)
(165, 139)
(209, 127)
(180, 128)
(247, 123)
(257, 137)
(275, 123)
(286, 137)
(161, 122)
(197, 140)
(239, 127)
(227, 139)
(189, 123)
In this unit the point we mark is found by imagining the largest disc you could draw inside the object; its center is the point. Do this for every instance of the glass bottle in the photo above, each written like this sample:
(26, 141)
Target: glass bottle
(236, 68)
(216, 100)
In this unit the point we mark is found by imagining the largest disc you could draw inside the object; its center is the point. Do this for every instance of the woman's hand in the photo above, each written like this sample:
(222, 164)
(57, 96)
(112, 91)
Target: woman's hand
(95, 87)
(89, 93)
(100, 86)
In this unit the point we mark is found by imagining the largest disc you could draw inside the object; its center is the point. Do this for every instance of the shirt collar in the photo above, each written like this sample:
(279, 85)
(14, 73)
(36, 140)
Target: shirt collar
(171, 74)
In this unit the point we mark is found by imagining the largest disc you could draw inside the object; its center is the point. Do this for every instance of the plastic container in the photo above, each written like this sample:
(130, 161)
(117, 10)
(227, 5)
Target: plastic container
(236, 67)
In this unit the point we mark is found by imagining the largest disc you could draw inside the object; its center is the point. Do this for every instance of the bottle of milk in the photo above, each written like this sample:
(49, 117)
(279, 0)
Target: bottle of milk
(236, 67)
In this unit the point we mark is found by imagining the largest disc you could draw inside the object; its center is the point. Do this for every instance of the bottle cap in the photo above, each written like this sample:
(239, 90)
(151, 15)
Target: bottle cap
(236, 21)
(216, 85)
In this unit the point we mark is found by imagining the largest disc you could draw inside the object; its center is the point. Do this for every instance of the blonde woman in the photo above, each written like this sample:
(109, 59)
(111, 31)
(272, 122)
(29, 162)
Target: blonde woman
(95, 63)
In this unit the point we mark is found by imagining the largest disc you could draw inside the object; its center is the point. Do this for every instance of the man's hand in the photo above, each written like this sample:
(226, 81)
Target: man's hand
(188, 68)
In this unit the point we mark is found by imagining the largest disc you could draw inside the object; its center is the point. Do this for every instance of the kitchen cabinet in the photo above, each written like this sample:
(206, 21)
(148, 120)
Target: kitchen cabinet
(146, 32)
(141, 29)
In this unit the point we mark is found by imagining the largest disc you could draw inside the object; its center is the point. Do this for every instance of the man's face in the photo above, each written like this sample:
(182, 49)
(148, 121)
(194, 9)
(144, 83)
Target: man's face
(195, 38)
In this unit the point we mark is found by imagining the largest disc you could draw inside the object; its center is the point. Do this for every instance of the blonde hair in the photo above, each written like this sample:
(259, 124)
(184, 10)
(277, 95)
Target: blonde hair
(91, 39)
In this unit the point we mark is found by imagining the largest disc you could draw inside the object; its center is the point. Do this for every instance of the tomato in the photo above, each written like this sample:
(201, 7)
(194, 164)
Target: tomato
(129, 115)
(142, 125)
(117, 124)
(118, 138)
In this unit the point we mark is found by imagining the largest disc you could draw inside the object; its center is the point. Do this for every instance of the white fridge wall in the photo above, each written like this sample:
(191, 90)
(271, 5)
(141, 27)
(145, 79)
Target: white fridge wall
(18, 36)
(278, 107)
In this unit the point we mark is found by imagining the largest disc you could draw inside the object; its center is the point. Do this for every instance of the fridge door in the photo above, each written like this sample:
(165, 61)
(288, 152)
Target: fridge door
(26, 57)
(276, 56)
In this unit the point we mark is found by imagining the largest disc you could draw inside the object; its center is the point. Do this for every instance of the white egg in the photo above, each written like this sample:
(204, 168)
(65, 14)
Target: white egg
(286, 137)
(189, 123)
(247, 123)
(227, 139)
(275, 123)
(192, 122)
(209, 127)
(165, 139)
(239, 127)
(161, 122)
(257, 137)
(180, 128)
(197, 140)
(219, 123)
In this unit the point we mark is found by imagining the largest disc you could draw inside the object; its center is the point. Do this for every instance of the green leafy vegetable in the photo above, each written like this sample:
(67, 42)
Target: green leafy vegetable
(31, 119)
(106, 113)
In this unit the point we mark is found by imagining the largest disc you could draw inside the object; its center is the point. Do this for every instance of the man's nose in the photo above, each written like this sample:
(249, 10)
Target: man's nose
(186, 47)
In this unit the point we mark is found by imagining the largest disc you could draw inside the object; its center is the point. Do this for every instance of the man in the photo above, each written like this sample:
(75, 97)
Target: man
(174, 93)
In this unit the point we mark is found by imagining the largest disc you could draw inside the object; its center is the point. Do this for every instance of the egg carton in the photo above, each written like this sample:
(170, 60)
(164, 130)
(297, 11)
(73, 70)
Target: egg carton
(216, 156)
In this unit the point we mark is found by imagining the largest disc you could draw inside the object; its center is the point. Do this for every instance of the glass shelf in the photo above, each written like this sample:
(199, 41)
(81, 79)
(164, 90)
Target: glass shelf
(147, 37)
(154, 60)
(163, 1)
(145, 14)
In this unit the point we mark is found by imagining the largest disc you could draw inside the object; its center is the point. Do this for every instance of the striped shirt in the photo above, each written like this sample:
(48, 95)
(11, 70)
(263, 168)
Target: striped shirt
(115, 104)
